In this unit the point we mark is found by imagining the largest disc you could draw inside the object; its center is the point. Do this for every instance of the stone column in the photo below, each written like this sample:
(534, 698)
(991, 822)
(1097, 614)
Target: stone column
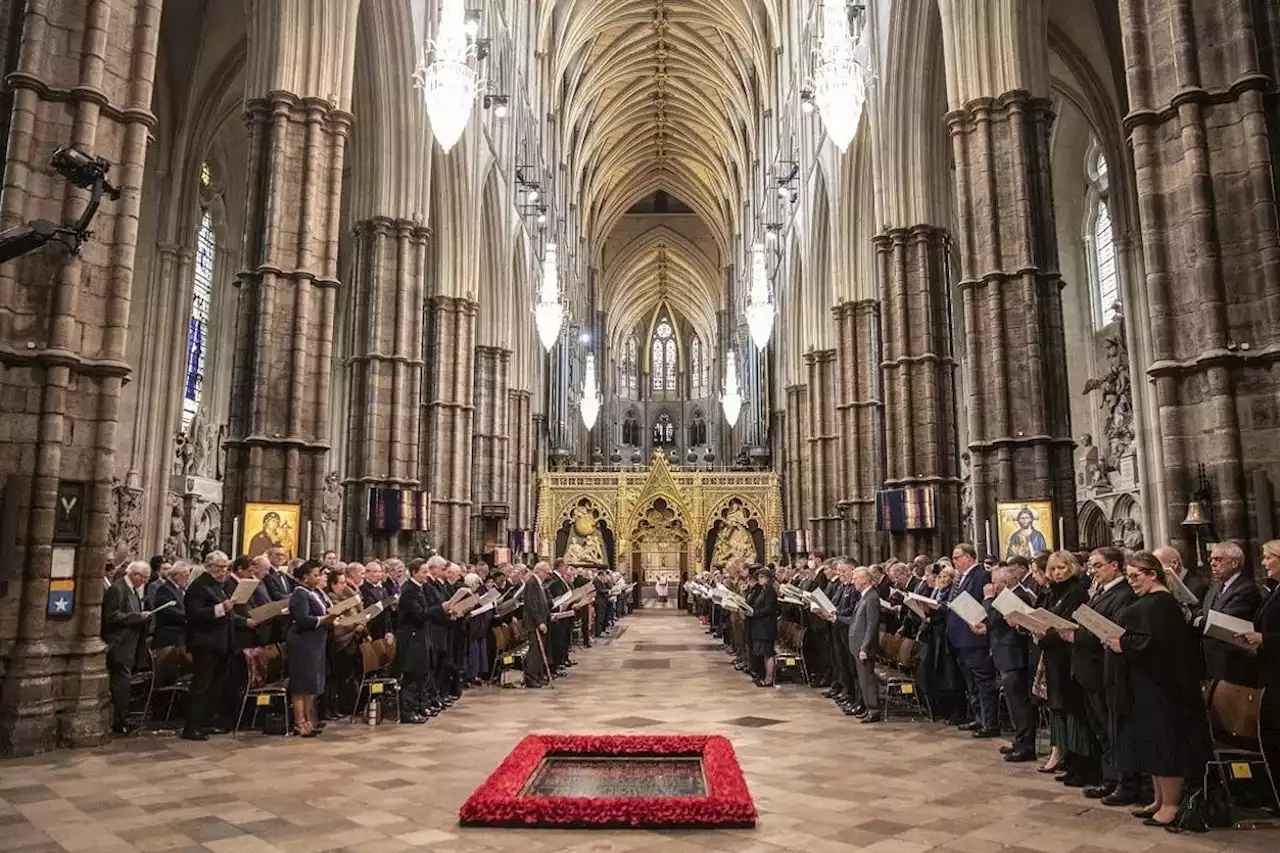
(824, 472)
(1202, 125)
(63, 325)
(449, 412)
(860, 410)
(795, 468)
(491, 442)
(385, 372)
(277, 444)
(997, 61)
(520, 458)
(918, 376)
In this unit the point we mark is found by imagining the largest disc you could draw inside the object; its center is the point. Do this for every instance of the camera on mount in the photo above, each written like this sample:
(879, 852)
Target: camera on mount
(83, 170)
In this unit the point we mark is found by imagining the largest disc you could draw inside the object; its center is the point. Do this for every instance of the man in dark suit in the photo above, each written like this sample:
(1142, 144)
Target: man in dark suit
(602, 586)
(279, 585)
(1089, 667)
(171, 623)
(209, 642)
(580, 579)
(560, 630)
(536, 615)
(1171, 559)
(413, 647)
(1234, 592)
(435, 590)
(846, 604)
(973, 652)
(124, 623)
(1011, 658)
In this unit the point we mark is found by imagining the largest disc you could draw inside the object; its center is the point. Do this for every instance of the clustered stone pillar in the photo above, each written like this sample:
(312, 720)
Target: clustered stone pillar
(918, 374)
(795, 467)
(63, 325)
(520, 457)
(1202, 78)
(278, 432)
(384, 421)
(1016, 374)
(822, 437)
(491, 440)
(446, 465)
(860, 410)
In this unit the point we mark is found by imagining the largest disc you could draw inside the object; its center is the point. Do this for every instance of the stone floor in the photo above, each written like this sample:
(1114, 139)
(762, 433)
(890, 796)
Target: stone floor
(822, 783)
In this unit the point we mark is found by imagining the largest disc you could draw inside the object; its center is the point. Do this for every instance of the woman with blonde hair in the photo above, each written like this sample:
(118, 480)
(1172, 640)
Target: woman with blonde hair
(1265, 637)
(1075, 752)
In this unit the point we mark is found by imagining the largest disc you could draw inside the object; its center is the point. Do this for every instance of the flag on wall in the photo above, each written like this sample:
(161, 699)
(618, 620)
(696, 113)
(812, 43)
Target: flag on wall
(909, 508)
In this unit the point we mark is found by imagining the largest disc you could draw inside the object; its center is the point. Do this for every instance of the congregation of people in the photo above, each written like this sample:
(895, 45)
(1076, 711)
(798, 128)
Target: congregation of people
(339, 638)
(1125, 717)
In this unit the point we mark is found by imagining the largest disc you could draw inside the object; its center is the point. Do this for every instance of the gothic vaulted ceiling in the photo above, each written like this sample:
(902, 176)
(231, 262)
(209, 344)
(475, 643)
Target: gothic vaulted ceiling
(660, 95)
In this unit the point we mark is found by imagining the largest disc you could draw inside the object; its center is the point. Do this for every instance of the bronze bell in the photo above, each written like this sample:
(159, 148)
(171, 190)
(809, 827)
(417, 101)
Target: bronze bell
(1196, 516)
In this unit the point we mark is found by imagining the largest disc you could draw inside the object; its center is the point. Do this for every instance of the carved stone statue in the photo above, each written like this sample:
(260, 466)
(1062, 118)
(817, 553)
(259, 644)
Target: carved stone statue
(734, 539)
(1091, 473)
(200, 450)
(585, 546)
(1131, 534)
(125, 531)
(331, 509)
(966, 496)
(1117, 399)
(175, 546)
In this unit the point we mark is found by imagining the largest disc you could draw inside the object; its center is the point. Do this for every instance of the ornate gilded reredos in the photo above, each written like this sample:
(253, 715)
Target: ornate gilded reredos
(689, 503)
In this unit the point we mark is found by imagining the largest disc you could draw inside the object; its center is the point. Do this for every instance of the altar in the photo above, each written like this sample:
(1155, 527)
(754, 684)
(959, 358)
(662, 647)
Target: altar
(660, 522)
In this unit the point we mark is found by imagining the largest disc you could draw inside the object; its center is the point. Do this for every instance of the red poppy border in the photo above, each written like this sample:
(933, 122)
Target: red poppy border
(728, 804)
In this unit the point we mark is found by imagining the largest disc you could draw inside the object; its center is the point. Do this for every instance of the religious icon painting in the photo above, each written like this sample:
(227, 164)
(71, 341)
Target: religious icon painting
(267, 524)
(1025, 528)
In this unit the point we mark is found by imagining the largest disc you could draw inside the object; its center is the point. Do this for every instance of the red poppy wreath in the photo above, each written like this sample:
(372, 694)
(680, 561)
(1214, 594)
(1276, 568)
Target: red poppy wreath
(569, 781)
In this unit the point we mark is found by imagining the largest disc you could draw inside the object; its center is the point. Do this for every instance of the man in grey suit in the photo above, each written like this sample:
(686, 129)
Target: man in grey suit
(864, 643)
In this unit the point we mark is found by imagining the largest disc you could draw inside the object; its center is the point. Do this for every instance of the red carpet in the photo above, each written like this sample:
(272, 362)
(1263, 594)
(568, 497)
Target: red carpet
(615, 781)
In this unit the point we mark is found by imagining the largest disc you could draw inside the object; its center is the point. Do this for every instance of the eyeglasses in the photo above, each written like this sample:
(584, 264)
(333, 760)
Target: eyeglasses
(1131, 577)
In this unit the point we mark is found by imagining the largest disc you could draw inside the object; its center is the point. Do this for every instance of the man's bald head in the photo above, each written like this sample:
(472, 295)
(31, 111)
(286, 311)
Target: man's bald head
(1170, 558)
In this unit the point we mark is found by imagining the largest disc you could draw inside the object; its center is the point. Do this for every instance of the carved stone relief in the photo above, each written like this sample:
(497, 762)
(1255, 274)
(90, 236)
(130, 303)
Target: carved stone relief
(331, 511)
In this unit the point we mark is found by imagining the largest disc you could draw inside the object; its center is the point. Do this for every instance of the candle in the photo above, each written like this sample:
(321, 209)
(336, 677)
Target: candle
(987, 545)
(308, 544)
(235, 535)
(1062, 540)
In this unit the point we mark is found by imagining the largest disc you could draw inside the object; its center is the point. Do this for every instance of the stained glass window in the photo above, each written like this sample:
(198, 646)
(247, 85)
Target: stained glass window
(630, 365)
(198, 325)
(664, 357)
(1102, 242)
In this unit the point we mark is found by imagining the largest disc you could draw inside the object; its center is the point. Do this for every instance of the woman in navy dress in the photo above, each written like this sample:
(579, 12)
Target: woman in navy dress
(305, 645)
(1160, 725)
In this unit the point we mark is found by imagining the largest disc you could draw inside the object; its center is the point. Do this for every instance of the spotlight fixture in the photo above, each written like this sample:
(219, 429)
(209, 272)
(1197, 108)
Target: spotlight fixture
(531, 195)
(542, 216)
(497, 103)
(772, 231)
(806, 101)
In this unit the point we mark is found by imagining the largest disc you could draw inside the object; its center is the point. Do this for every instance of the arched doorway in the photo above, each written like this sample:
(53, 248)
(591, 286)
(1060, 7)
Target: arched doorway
(660, 548)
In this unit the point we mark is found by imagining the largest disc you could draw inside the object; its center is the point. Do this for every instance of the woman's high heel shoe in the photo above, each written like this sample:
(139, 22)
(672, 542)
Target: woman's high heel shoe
(1143, 814)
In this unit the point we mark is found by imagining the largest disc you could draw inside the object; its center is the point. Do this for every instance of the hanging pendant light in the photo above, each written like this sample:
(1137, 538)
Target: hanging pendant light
(590, 404)
(447, 82)
(839, 80)
(759, 309)
(549, 313)
(731, 399)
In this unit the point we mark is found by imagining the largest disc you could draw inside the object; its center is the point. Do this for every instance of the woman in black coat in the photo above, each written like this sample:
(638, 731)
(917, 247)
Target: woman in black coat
(306, 645)
(1161, 728)
(763, 600)
(938, 674)
(1074, 748)
(1265, 637)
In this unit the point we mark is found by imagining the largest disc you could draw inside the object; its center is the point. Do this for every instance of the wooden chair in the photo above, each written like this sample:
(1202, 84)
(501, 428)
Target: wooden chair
(1235, 722)
(376, 658)
(267, 681)
(900, 689)
(170, 676)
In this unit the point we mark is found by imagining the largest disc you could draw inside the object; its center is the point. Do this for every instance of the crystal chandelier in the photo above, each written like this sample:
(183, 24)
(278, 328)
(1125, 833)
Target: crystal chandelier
(759, 309)
(549, 313)
(590, 394)
(448, 83)
(840, 80)
(731, 399)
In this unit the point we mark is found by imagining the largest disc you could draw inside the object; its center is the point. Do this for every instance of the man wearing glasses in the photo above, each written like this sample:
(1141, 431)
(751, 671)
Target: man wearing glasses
(1235, 593)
